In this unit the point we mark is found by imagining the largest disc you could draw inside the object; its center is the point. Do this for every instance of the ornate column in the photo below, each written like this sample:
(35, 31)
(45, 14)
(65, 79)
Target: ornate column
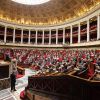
(43, 38)
(71, 34)
(36, 37)
(5, 34)
(98, 27)
(56, 36)
(79, 27)
(22, 36)
(64, 35)
(14, 35)
(50, 37)
(88, 35)
(29, 37)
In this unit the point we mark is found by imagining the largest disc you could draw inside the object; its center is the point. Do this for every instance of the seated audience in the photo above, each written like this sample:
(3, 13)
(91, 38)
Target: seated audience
(56, 61)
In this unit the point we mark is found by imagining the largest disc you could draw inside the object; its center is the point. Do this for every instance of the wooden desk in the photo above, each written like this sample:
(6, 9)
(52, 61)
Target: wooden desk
(21, 70)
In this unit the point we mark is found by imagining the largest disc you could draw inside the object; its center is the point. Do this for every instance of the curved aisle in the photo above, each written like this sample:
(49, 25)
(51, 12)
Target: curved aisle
(22, 82)
(20, 86)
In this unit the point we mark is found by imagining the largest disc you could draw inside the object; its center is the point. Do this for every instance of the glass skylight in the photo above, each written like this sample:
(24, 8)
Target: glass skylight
(31, 2)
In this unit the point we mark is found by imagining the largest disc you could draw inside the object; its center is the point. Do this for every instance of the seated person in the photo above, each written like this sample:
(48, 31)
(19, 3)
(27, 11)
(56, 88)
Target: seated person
(81, 69)
(98, 62)
(97, 73)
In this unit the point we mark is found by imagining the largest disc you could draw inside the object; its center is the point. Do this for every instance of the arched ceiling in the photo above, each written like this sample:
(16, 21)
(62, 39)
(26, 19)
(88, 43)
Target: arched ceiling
(52, 12)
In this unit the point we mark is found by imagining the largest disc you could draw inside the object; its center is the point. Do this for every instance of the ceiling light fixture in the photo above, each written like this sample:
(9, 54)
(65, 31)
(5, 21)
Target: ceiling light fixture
(31, 2)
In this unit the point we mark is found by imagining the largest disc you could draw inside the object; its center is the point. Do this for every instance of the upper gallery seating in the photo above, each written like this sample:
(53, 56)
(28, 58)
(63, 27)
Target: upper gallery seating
(83, 33)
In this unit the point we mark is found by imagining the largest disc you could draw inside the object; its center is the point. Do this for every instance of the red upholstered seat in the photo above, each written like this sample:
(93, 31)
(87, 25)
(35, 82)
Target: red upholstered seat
(19, 76)
(91, 70)
(22, 95)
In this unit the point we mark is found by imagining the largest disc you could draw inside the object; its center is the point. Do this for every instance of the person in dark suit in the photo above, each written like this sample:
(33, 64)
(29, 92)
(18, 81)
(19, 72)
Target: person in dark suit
(13, 81)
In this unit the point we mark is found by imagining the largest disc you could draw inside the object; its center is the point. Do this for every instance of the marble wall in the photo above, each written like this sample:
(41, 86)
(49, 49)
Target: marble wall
(4, 84)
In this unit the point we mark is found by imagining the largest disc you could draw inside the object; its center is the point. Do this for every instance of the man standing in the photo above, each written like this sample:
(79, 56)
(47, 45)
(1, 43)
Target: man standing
(13, 81)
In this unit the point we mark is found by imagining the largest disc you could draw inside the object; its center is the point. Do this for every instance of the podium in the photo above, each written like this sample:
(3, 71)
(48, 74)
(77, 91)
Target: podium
(4, 75)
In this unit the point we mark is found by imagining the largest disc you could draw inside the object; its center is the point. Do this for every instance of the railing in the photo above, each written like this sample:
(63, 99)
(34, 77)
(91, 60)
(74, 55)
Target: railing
(65, 87)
